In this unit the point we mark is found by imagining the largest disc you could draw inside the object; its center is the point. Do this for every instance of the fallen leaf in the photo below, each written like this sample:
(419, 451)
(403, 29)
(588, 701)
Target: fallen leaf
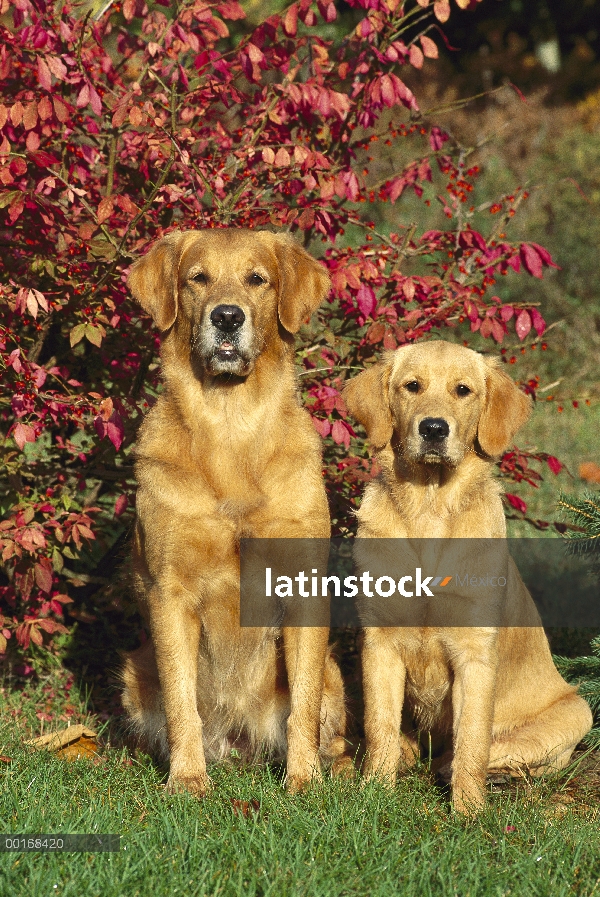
(245, 807)
(590, 471)
(72, 743)
(4, 759)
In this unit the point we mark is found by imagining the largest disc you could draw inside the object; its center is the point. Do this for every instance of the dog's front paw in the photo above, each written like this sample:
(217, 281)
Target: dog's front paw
(297, 782)
(468, 796)
(383, 771)
(198, 785)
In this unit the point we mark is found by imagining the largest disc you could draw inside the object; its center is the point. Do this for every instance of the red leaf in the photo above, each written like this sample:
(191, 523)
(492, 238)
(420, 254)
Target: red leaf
(523, 324)
(44, 76)
(83, 97)
(95, 101)
(57, 67)
(120, 504)
(441, 9)
(323, 427)
(340, 434)
(42, 159)
(544, 255)
(531, 260)
(415, 56)
(43, 577)
(537, 321)
(554, 464)
(366, 300)
(497, 330)
(516, 502)
(429, 47)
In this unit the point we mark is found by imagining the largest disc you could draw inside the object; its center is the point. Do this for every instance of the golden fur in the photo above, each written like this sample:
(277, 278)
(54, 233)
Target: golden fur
(495, 689)
(227, 452)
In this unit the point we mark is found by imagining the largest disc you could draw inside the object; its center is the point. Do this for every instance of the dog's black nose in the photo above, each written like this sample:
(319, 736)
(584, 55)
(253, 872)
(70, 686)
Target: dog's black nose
(433, 428)
(227, 317)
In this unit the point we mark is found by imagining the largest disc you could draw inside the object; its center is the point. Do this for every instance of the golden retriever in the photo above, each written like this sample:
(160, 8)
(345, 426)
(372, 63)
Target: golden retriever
(437, 415)
(227, 452)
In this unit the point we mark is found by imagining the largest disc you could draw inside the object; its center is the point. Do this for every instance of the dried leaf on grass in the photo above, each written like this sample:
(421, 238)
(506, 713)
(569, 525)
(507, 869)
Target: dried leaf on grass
(590, 472)
(72, 743)
(245, 807)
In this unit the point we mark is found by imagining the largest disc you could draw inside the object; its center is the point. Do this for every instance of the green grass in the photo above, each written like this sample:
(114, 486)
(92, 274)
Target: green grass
(534, 838)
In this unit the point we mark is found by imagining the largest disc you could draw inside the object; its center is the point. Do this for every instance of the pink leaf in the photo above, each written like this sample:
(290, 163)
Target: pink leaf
(537, 321)
(523, 324)
(120, 504)
(544, 255)
(43, 577)
(95, 101)
(323, 427)
(23, 433)
(429, 47)
(441, 9)
(114, 429)
(44, 76)
(340, 434)
(83, 97)
(415, 56)
(366, 300)
(57, 67)
(531, 260)
(290, 21)
(437, 138)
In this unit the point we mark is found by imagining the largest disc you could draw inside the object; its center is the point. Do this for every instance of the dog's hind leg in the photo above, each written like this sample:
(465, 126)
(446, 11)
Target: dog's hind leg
(546, 741)
(142, 701)
(332, 747)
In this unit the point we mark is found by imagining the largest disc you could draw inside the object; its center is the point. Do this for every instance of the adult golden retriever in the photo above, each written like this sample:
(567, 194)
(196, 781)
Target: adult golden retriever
(438, 415)
(227, 452)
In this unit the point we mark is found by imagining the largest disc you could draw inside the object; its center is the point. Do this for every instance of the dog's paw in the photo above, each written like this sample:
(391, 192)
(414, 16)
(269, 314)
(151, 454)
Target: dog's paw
(468, 799)
(385, 773)
(198, 785)
(343, 768)
(295, 783)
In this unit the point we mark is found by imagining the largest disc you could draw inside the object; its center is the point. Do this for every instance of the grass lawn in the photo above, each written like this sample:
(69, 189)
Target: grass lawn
(534, 838)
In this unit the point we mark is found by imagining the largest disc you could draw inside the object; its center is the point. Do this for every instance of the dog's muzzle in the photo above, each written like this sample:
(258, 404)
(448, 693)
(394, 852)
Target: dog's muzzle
(433, 432)
(227, 320)
(223, 342)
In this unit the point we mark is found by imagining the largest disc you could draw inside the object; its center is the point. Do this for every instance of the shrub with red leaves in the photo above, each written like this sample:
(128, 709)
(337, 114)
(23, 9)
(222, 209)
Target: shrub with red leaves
(118, 127)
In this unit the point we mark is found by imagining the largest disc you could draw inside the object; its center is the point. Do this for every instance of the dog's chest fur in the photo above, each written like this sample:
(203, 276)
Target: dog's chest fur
(428, 676)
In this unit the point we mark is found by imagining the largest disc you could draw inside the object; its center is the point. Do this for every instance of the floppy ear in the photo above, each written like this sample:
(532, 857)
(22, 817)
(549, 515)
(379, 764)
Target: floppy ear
(153, 281)
(505, 411)
(367, 400)
(303, 283)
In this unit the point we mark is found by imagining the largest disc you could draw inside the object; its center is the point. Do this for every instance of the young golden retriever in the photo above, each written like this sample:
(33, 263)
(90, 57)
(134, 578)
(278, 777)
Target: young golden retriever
(438, 415)
(227, 452)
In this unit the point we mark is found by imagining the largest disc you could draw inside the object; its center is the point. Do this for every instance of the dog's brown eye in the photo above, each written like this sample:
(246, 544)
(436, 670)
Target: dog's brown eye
(256, 280)
(200, 277)
(462, 390)
(413, 386)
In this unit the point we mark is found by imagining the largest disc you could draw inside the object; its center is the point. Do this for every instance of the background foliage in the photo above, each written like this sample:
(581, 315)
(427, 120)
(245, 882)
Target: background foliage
(122, 123)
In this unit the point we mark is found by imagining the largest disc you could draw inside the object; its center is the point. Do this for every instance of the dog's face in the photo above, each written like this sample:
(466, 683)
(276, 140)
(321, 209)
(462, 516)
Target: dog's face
(438, 401)
(228, 292)
(436, 395)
